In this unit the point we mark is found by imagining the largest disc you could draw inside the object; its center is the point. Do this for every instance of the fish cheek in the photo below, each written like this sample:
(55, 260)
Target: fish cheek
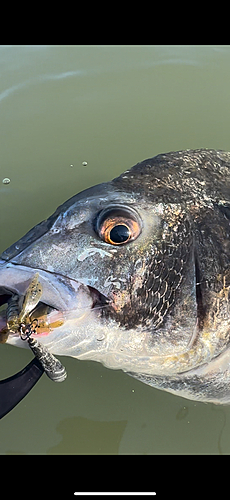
(159, 293)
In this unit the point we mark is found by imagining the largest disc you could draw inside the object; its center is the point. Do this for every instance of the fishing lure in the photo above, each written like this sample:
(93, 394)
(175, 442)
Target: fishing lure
(19, 321)
(51, 365)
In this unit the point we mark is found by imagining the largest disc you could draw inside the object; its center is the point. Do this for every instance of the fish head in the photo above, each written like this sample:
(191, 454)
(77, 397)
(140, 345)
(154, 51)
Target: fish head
(90, 255)
(133, 271)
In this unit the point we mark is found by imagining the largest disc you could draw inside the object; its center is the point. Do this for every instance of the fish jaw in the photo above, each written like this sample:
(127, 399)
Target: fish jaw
(68, 300)
(83, 332)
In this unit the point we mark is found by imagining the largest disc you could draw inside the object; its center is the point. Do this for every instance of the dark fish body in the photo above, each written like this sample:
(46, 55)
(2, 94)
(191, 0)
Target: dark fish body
(138, 270)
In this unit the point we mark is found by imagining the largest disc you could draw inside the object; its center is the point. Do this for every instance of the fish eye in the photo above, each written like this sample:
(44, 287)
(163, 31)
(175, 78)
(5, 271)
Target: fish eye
(118, 225)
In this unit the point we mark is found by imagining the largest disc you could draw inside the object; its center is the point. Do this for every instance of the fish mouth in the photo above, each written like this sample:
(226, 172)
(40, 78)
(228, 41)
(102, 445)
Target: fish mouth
(62, 299)
(43, 319)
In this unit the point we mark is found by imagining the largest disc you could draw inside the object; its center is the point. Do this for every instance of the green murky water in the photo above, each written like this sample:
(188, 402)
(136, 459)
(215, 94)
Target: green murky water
(110, 107)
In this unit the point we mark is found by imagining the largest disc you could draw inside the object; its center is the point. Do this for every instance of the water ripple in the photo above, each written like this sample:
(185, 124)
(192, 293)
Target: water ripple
(38, 79)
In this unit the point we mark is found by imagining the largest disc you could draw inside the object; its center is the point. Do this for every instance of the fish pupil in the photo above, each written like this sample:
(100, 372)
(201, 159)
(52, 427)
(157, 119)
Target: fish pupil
(119, 233)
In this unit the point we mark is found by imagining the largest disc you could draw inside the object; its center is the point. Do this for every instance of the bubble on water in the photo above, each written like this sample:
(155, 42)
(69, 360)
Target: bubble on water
(182, 413)
(84, 163)
(6, 180)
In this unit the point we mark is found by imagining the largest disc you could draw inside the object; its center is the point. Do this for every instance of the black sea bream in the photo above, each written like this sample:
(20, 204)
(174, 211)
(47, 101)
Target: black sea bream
(135, 274)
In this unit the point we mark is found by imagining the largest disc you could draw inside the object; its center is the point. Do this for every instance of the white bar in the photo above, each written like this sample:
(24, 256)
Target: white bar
(114, 493)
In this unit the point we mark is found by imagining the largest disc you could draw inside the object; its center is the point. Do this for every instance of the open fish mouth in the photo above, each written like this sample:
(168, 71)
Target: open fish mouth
(42, 320)
(59, 300)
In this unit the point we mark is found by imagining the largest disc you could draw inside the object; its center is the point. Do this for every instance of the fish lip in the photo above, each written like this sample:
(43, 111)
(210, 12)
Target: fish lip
(17, 279)
(59, 292)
